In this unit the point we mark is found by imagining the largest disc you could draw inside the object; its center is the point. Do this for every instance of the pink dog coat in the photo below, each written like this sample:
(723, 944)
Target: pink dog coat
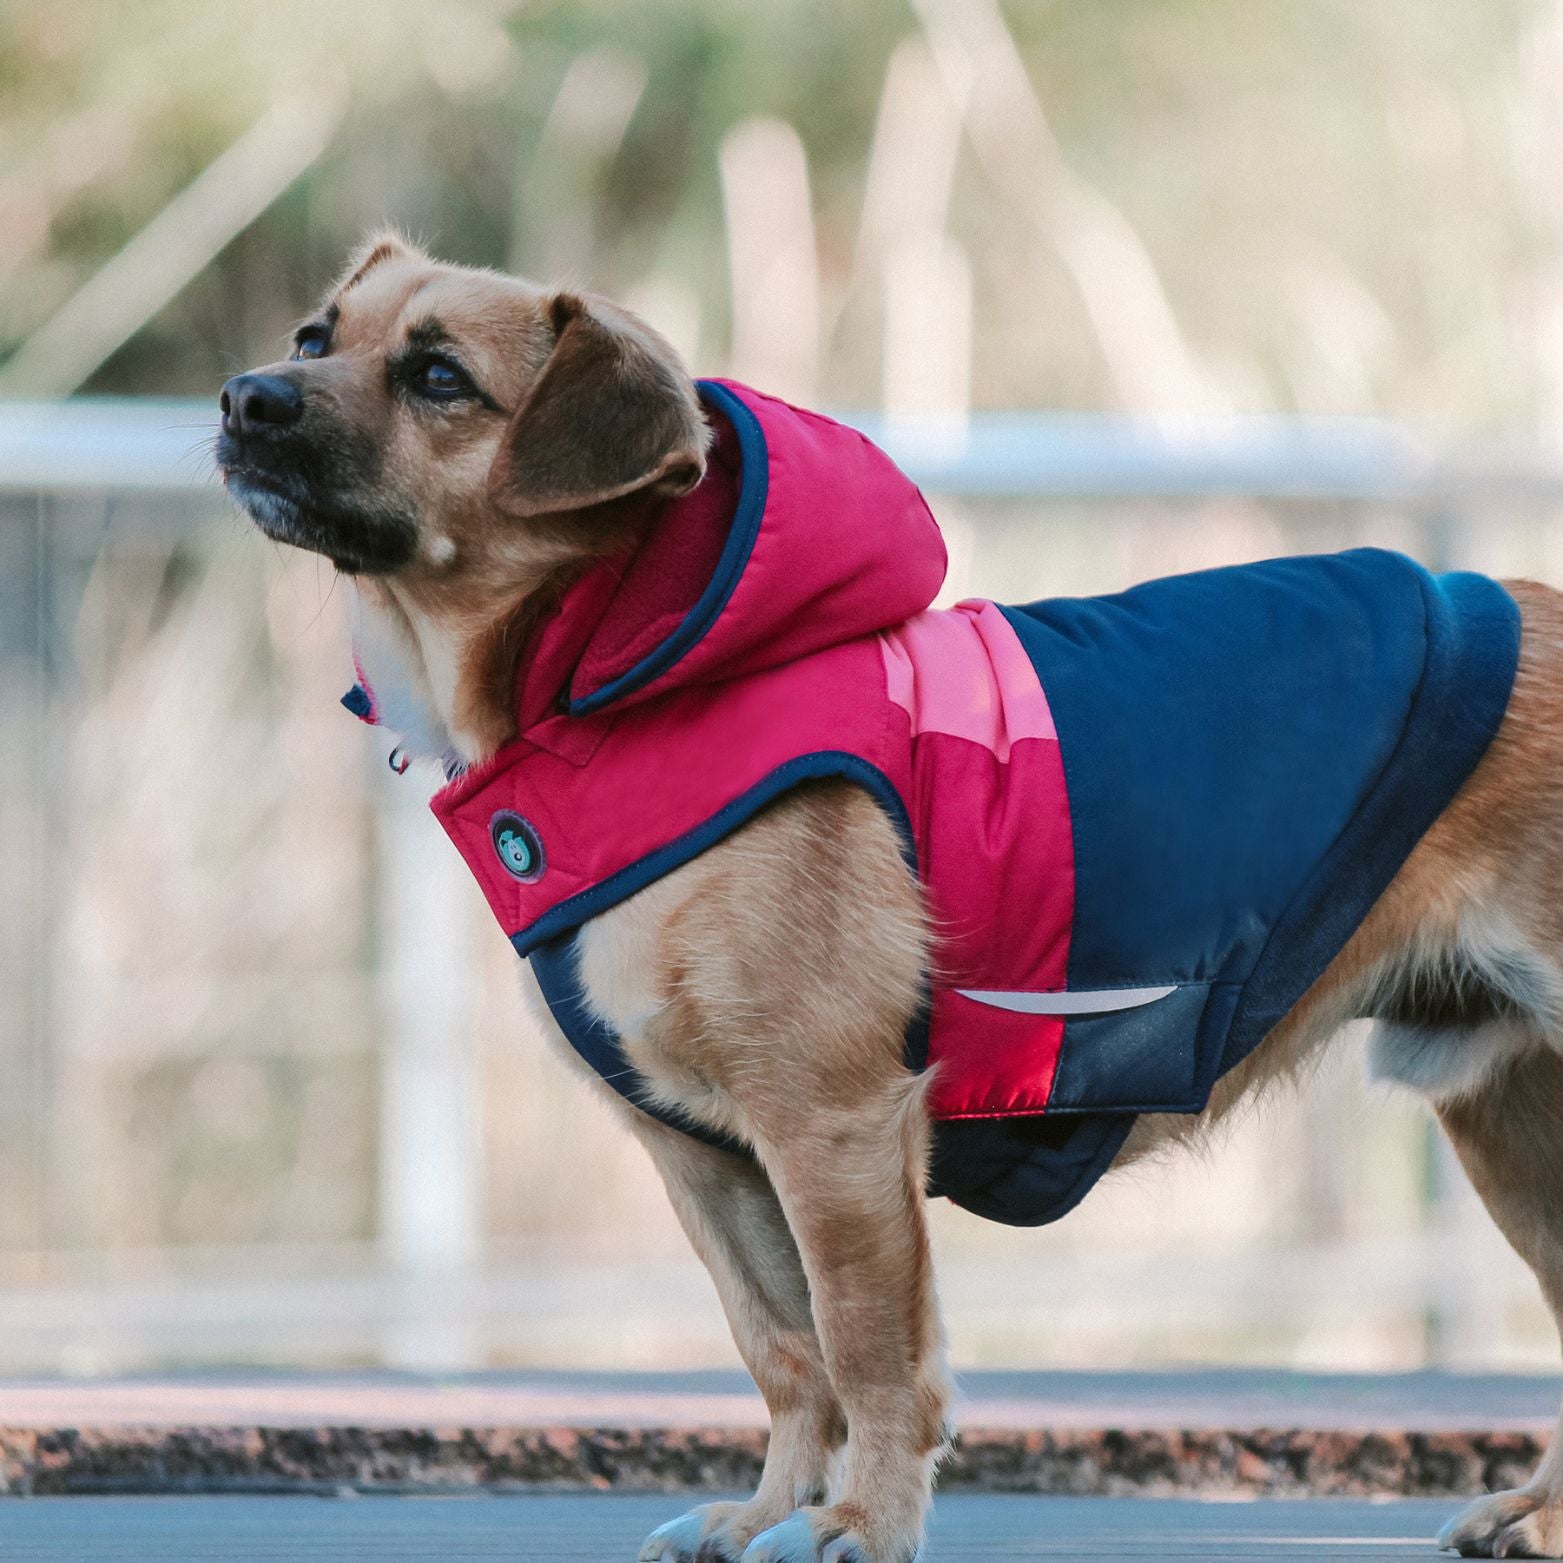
(1142, 824)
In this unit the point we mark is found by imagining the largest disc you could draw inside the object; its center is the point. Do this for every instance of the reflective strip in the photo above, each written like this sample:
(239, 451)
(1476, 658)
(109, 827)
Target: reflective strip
(1100, 1001)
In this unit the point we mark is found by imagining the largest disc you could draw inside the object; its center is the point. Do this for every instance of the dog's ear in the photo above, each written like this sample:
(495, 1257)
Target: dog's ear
(383, 244)
(612, 413)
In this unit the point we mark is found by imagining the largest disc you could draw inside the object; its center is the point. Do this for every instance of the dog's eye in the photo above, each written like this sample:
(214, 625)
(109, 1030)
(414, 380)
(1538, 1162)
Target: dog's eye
(439, 377)
(310, 343)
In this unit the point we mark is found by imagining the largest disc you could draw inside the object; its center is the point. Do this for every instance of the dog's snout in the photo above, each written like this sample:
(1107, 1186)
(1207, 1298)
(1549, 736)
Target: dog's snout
(259, 403)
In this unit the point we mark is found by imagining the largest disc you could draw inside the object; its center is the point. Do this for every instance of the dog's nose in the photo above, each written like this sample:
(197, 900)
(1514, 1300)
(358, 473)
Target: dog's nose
(259, 403)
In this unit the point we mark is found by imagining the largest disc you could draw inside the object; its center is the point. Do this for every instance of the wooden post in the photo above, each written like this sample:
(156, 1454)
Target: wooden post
(430, 1144)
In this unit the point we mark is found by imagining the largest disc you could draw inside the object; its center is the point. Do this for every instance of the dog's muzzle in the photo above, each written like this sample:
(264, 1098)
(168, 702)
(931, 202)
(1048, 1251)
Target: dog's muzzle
(305, 486)
(258, 413)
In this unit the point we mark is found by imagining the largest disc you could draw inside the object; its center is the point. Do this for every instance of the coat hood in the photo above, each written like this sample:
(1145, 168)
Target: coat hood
(802, 535)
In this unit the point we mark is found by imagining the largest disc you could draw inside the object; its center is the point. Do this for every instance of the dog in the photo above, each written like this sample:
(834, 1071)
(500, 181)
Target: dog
(763, 974)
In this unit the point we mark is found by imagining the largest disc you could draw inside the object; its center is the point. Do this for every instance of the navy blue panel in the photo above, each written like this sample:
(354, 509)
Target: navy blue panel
(753, 488)
(358, 702)
(1218, 731)
(1026, 1171)
(1250, 754)
(1133, 1058)
(555, 966)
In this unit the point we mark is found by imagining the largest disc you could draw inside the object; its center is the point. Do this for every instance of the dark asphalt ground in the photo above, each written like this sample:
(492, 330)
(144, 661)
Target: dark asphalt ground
(595, 1529)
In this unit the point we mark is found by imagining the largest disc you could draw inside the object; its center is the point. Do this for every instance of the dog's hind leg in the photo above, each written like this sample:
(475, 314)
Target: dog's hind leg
(731, 1214)
(1508, 1134)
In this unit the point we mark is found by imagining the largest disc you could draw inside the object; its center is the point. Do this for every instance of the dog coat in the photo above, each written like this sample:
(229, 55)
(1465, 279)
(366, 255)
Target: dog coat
(1142, 824)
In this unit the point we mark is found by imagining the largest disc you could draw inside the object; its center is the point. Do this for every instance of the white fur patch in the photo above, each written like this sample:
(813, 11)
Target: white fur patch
(1442, 1065)
(618, 953)
(391, 663)
(1442, 1062)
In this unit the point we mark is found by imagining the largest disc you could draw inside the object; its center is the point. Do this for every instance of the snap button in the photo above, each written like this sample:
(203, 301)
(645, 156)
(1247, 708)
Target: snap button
(517, 846)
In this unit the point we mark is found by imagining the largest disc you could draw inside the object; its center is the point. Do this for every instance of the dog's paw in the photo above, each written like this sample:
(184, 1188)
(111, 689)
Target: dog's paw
(818, 1536)
(680, 1540)
(713, 1533)
(795, 1540)
(1515, 1524)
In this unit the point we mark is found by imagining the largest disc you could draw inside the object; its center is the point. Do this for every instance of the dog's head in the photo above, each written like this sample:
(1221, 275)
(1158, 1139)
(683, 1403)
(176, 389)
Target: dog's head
(440, 426)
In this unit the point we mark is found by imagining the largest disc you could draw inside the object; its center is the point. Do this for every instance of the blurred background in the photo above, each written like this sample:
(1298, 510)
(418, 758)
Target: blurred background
(1130, 289)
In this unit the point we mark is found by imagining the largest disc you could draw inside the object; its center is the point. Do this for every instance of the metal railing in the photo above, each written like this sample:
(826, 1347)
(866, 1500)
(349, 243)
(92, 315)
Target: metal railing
(160, 445)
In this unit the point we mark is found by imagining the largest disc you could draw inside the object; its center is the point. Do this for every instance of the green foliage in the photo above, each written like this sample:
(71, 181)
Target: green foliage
(1339, 199)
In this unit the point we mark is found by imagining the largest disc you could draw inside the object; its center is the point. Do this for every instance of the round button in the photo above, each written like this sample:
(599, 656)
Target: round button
(517, 846)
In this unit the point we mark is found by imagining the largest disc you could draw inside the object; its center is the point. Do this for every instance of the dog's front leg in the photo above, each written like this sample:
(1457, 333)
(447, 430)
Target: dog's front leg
(850, 1176)
(780, 972)
(730, 1211)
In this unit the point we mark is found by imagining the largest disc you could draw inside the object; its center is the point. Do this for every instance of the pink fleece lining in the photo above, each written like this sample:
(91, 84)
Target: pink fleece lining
(965, 673)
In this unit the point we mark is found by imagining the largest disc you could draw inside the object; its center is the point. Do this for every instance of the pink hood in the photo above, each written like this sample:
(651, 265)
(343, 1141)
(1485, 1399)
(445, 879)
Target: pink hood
(801, 536)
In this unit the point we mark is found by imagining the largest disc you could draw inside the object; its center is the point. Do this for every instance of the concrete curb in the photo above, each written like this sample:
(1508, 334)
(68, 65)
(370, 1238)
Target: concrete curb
(1076, 1462)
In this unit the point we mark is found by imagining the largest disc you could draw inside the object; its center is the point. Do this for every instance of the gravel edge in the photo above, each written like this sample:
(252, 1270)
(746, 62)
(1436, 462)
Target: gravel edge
(1259, 1462)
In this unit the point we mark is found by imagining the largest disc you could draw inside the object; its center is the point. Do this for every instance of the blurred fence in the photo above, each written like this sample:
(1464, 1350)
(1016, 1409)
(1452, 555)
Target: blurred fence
(266, 1091)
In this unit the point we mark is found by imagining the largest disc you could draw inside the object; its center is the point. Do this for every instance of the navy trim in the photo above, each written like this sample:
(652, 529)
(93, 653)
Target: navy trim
(1473, 649)
(549, 943)
(358, 702)
(753, 490)
(557, 969)
(620, 886)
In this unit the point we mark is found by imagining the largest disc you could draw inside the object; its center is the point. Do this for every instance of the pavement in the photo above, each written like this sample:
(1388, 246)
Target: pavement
(562, 1529)
(1229, 1434)
(567, 1466)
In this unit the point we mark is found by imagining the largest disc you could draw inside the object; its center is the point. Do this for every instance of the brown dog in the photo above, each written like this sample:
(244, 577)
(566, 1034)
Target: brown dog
(463, 445)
